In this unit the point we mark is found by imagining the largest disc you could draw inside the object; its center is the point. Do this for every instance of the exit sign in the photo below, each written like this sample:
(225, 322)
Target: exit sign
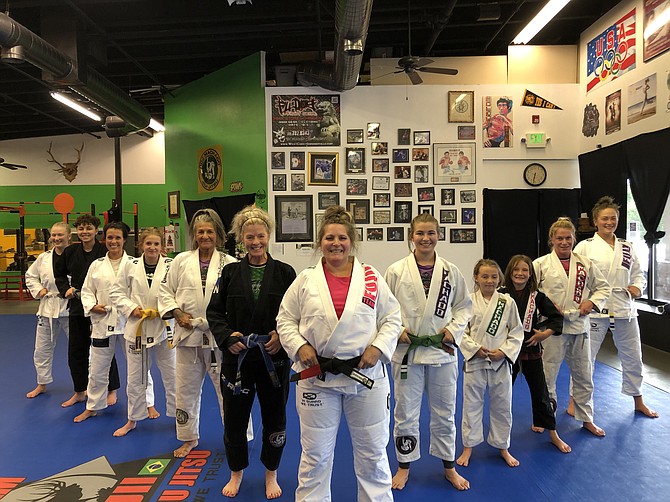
(536, 140)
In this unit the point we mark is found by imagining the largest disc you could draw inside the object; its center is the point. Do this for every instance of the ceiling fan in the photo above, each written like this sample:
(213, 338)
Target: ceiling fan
(8, 165)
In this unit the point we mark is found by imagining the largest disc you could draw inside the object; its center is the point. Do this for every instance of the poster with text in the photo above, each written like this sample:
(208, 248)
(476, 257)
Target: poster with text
(306, 120)
(498, 122)
(642, 99)
(613, 112)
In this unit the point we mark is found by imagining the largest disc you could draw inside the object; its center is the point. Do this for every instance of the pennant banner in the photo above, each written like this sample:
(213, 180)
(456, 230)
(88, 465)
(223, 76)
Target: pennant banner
(534, 101)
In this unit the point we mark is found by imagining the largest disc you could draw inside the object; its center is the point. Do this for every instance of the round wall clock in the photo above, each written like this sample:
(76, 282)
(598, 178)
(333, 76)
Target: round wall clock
(535, 174)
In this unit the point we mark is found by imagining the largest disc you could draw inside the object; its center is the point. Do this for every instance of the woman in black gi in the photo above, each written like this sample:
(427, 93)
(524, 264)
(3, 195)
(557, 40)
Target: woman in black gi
(241, 316)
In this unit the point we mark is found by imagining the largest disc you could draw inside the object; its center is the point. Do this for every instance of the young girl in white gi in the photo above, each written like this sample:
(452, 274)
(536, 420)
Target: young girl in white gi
(341, 316)
(576, 287)
(52, 314)
(533, 305)
(617, 261)
(490, 344)
(135, 295)
(184, 295)
(107, 325)
(436, 308)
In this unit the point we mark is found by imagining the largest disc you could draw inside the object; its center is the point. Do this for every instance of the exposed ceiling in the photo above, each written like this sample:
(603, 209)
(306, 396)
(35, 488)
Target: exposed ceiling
(149, 47)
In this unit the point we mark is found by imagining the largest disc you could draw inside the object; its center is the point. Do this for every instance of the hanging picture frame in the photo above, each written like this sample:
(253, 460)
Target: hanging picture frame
(294, 218)
(323, 168)
(454, 163)
(461, 106)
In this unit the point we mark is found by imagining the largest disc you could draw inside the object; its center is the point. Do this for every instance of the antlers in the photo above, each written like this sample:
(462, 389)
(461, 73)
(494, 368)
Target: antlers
(68, 169)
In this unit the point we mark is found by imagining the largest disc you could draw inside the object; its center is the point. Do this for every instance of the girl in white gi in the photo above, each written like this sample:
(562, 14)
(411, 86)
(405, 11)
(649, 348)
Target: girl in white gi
(436, 308)
(341, 316)
(184, 295)
(135, 295)
(490, 344)
(107, 325)
(576, 287)
(52, 314)
(617, 261)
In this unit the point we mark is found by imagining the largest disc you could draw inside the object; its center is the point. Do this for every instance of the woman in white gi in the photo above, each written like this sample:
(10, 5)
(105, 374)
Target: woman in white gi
(52, 314)
(490, 344)
(184, 295)
(135, 295)
(107, 325)
(242, 315)
(436, 308)
(576, 287)
(341, 316)
(617, 261)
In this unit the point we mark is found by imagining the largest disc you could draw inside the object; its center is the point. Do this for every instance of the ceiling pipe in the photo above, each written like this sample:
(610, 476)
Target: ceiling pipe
(96, 88)
(352, 19)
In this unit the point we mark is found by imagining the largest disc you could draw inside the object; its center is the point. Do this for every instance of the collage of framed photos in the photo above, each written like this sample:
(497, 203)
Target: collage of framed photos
(383, 183)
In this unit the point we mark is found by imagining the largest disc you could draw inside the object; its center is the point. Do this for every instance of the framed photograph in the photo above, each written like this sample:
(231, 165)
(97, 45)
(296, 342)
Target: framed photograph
(279, 182)
(317, 220)
(462, 235)
(461, 106)
(468, 196)
(360, 209)
(355, 161)
(381, 200)
(174, 204)
(402, 172)
(466, 133)
(357, 187)
(425, 194)
(381, 182)
(420, 154)
(294, 218)
(374, 130)
(425, 209)
(402, 212)
(359, 234)
(375, 234)
(422, 137)
(379, 148)
(381, 217)
(323, 168)
(468, 216)
(404, 137)
(656, 31)
(298, 182)
(380, 165)
(448, 197)
(448, 216)
(278, 160)
(401, 155)
(355, 135)
(297, 161)
(327, 199)
(441, 234)
(395, 234)
(403, 189)
(421, 173)
(453, 163)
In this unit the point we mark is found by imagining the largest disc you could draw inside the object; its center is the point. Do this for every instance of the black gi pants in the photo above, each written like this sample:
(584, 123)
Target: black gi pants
(78, 349)
(533, 371)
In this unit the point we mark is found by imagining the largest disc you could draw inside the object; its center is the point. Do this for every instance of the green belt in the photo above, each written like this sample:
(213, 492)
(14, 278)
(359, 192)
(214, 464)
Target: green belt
(419, 341)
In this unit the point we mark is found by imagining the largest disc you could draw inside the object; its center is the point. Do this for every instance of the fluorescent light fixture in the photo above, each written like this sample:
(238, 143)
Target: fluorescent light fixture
(540, 21)
(659, 21)
(75, 106)
(156, 126)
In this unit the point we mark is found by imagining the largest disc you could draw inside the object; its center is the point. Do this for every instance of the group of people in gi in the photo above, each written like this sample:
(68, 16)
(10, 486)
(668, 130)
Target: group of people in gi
(340, 322)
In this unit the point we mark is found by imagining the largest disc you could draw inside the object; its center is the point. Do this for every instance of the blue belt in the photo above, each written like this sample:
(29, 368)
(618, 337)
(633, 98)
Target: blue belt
(252, 341)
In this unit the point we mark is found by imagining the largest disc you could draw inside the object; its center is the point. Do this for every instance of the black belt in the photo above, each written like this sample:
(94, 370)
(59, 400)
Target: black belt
(336, 366)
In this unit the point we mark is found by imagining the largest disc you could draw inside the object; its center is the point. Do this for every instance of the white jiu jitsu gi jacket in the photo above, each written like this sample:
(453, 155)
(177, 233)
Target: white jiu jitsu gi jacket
(41, 275)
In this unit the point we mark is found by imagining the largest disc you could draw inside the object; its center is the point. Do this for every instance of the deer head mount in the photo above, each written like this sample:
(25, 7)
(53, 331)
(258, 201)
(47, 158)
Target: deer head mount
(67, 169)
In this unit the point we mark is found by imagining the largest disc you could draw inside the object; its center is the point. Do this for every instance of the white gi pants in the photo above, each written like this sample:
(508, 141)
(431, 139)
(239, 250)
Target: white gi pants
(576, 350)
(137, 388)
(45, 342)
(438, 382)
(499, 384)
(193, 363)
(368, 416)
(98, 373)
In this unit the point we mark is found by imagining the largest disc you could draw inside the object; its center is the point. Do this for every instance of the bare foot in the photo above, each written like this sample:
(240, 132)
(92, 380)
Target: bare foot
(85, 415)
(559, 443)
(539, 430)
(77, 397)
(400, 479)
(232, 488)
(153, 412)
(639, 406)
(111, 398)
(571, 407)
(272, 488)
(594, 429)
(122, 431)
(457, 481)
(36, 391)
(185, 448)
(464, 459)
(507, 457)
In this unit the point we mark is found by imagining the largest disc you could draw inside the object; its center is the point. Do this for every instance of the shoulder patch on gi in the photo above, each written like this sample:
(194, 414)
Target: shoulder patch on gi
(277, 439)
(182, 417)
(101, 259)
(405, 444)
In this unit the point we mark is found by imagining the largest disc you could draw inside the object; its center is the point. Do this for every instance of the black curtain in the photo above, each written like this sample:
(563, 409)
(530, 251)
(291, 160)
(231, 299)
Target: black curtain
(553, 203)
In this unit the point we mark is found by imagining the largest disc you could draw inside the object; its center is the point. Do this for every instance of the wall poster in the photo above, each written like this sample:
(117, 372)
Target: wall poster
(306, 120)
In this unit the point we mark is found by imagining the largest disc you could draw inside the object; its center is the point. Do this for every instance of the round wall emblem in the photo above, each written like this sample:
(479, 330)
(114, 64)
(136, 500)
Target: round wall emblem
(210, 169)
